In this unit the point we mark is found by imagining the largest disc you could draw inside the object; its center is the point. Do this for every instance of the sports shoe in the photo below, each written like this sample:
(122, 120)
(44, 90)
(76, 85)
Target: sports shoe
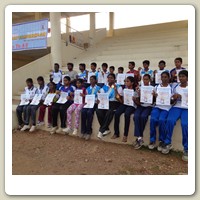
(53, 130)
(106, 132)
(124, 139)
(185, 156)
(138, 143)
(59, 130)
(67, 130)
(33, 128)
(87, 137)
(166, 148)
(25, 127)
(75, 132)
(100, 135)
(160, 146)
(40, 123)
(151, 145)
(82, 136)
(49, 125)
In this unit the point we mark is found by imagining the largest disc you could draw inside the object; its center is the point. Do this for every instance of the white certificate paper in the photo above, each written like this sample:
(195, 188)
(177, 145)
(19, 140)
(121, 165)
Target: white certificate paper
(100, 78)
(89, 100)
(24, 99)
(77, 97)
(158, 77)
(146, 94)
(184, 98)
(164, 96)
(49, 99)
(56, 79)
(128, 97)
(36, 99)
(121, 78)
(63, 98)
(104, 101)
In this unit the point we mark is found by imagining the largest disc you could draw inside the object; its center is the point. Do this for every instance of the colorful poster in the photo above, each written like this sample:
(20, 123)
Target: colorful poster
(63, 98)
(77, 97)
(103, 101)
(128, 97)
(164, 96)
(146, 94)
(30, 35)
(36, 99)
(184, 98)
(49, 99)
(121, 78)
(24, 99)
(158, 77)
(89, 100)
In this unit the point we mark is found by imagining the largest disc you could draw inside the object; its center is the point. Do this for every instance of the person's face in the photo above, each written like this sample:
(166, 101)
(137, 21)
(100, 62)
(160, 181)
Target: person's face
(104, 68)
(146, 80)
(120, 71)
(29, 84)
(92, 81)
(111, 70)
(93, 68)
(161, 66)
(183, 78)
(56, 68)
(81, 68)
(66, 82)
(145, 66)
(130, 66)
(78, 84)
(128, 83)
(165, 78)
(40, 82)
(111, 80)
(51, 86)
(69, 67)
(177, 63)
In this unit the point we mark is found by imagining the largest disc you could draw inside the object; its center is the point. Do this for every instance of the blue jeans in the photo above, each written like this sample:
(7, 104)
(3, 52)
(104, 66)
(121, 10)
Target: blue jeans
(140, 119)
(158, 118)
(127, 110)
(173, 116)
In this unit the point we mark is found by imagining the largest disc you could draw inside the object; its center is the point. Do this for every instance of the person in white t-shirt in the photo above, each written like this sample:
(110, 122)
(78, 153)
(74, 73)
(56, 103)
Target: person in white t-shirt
(56, 75)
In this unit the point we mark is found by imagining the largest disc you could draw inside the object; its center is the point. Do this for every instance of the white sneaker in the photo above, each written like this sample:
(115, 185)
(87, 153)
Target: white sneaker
(49, 125)
(53, 130)
(67, 130)
(25, 127)
(100, 135)
(60, 130)
(106, 132)
(33, 128)
(40, 123)
(75, 132)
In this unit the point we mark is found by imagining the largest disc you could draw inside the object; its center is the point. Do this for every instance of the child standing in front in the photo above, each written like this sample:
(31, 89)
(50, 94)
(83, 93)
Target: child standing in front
(75, 107)
(176, 112)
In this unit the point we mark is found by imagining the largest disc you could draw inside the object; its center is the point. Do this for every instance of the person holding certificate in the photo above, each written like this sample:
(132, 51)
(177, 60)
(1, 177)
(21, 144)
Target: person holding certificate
(126, 108)
(105, 116)
(87, 113)
(29, 93)
(49, 104)
(178, 111)
(61, 107)
(159, 113)
(76, 107)
(102, 75)
(41, 92)
(143, 110)
(56, 75)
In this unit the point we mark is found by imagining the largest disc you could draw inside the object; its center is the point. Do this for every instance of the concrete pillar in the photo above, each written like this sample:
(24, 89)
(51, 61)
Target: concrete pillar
(92, 29)
(56, 45)
(68, 25)
(37, 16)
(111, 24)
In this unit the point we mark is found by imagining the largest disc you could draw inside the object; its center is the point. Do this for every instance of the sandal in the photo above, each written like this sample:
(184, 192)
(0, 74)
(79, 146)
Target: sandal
(124, 139)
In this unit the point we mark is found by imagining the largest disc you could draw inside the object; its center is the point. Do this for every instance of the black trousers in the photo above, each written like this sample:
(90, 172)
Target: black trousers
(106, 116)
(62, 108)
(19, 111)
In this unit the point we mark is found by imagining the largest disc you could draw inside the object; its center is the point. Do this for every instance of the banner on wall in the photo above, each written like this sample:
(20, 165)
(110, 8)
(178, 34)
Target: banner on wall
(30, 35)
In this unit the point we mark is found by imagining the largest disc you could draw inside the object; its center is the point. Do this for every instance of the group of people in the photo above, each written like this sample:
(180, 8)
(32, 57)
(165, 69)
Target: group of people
(74, 88)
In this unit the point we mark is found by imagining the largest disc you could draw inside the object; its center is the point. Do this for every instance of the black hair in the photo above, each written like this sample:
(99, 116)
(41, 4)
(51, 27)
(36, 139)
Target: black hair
(40, 78)
(132, 80)
(121, 68)
(94, 64)
(80, 80)
(132, 63)
(94, 77)
(29, 80)
(83, 65)
(179, 58)
(166, 72)
(183, 72)
(104, 65)
(113, 75)
(68, 78)
(54, 85)
(112, 67)
(146, 62)
(147, 76)
(162, 62)
(57, 64)
(71, 64)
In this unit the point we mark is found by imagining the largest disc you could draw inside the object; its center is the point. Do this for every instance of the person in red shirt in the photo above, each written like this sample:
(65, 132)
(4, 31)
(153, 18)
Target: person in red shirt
(131, 66)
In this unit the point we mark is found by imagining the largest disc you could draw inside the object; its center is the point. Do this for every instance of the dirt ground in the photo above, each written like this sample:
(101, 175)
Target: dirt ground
(40, 153)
